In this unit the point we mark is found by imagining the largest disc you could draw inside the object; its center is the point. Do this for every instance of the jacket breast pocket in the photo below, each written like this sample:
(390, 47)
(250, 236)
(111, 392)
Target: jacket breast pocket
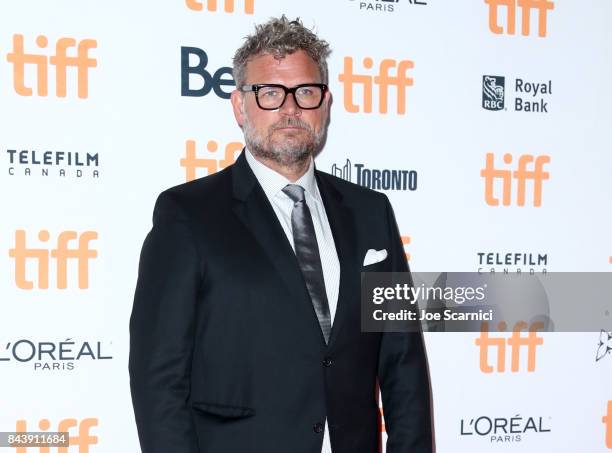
(223, 410)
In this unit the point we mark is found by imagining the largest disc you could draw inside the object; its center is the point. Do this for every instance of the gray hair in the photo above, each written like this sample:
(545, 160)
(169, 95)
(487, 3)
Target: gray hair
(280, 37)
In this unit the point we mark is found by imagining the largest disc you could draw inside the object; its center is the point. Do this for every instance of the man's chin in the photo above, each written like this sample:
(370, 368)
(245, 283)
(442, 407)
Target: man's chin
(289, 132)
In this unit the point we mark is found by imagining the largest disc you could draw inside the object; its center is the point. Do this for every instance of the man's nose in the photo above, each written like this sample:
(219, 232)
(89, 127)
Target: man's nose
(290, 107)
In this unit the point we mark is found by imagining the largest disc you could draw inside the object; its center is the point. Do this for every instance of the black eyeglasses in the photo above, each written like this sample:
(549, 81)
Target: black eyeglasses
(271, 96)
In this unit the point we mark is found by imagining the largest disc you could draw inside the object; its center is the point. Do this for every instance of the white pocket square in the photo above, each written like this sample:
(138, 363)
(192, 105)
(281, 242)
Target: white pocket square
(374, 256)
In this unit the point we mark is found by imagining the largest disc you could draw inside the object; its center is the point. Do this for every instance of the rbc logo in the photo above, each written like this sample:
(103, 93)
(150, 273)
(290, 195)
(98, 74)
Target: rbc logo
(493, 92)
(207, 82)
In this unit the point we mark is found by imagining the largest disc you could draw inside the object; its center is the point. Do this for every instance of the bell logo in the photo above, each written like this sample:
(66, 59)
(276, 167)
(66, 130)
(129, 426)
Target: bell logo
(228, 5)
(516, 342)
(401, 81)
(82, 254)
(191, 163)
(199, 76)
(83, 440)
(542, 6)
(521, 175)
(607, 420)
(60, 60)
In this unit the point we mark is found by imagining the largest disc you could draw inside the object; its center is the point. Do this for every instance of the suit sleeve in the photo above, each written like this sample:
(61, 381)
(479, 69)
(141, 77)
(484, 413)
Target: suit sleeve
(403, 375)
(162, 333)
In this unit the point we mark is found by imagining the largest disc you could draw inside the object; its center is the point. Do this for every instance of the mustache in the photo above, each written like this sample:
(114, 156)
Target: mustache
(291, 122)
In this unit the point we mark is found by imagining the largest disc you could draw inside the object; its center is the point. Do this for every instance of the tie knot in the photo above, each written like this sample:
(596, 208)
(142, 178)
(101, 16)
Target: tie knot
(295, 192)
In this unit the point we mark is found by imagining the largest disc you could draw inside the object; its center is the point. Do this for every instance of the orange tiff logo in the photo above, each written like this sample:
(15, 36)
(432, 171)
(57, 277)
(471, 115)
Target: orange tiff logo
(401, 81)
(542, 7)
(516, 342)
(607, 419)
(521, 176)
(405, 241)
(82, 253)
(191, 162)
(83, 440)
(82, 62)
(228, 5)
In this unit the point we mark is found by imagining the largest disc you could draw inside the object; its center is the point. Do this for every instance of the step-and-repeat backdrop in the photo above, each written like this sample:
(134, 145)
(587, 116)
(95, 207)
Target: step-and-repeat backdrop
(486, 122)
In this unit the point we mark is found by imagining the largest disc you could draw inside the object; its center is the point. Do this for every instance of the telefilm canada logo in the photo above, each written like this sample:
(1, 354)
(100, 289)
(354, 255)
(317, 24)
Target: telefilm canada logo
(515, 262)
(501, 430)
(529, 96)
(377, 178)
(53, 355)
(52, 164)
(386, 6)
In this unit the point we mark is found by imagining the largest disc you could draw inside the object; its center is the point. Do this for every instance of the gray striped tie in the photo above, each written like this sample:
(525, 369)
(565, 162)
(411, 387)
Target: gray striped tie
(307, 253)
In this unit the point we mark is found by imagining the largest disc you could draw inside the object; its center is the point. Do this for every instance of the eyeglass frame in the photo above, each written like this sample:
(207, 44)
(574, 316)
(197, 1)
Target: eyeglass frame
(257, 86)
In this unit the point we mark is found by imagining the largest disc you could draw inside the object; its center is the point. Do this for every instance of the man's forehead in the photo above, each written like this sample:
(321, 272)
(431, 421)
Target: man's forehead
(297, 57)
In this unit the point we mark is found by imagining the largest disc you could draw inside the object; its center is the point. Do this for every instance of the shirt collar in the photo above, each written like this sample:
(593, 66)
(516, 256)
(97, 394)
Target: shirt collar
(272, 182)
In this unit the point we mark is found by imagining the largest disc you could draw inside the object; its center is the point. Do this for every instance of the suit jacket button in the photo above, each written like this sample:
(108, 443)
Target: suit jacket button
(318, 428)
(327, 362)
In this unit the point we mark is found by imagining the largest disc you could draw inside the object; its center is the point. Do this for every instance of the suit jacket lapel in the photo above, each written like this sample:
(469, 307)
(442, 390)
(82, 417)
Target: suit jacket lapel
(343, 229)
(253, 209)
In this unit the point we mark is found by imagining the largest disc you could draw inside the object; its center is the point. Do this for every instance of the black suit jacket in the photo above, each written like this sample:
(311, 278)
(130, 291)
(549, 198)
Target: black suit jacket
(226, 352)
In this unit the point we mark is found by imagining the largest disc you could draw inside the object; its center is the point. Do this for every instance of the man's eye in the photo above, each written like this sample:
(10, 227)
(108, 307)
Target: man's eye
(271, 93)
(305, 92)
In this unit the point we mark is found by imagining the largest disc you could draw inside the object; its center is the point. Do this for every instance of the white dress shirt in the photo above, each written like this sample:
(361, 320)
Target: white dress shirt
(273, 184)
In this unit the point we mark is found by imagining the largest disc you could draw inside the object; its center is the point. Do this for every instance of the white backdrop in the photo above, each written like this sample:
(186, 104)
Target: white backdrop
(63, 351)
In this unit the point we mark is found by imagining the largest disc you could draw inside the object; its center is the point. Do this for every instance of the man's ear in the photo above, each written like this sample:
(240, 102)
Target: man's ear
(238, 106)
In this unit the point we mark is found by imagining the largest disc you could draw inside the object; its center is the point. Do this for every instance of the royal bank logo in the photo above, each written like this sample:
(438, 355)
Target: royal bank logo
(528, 96)
(503, 430)
(395, 74)
(198, 165)
(386, 6)
(229, 6)
(493, 92)
(512, 262)
(541, 7)
(79, 431)
(504, 348)
(377, 178)
(198, 81)
(52, 164)
(53, 355)
(604, 347)
(31, 69)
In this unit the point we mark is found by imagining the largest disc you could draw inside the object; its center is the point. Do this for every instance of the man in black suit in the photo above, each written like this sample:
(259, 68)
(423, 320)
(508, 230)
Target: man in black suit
(245, 331)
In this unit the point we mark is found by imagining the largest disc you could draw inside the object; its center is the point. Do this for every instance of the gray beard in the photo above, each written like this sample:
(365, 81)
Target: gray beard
(288, 153)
